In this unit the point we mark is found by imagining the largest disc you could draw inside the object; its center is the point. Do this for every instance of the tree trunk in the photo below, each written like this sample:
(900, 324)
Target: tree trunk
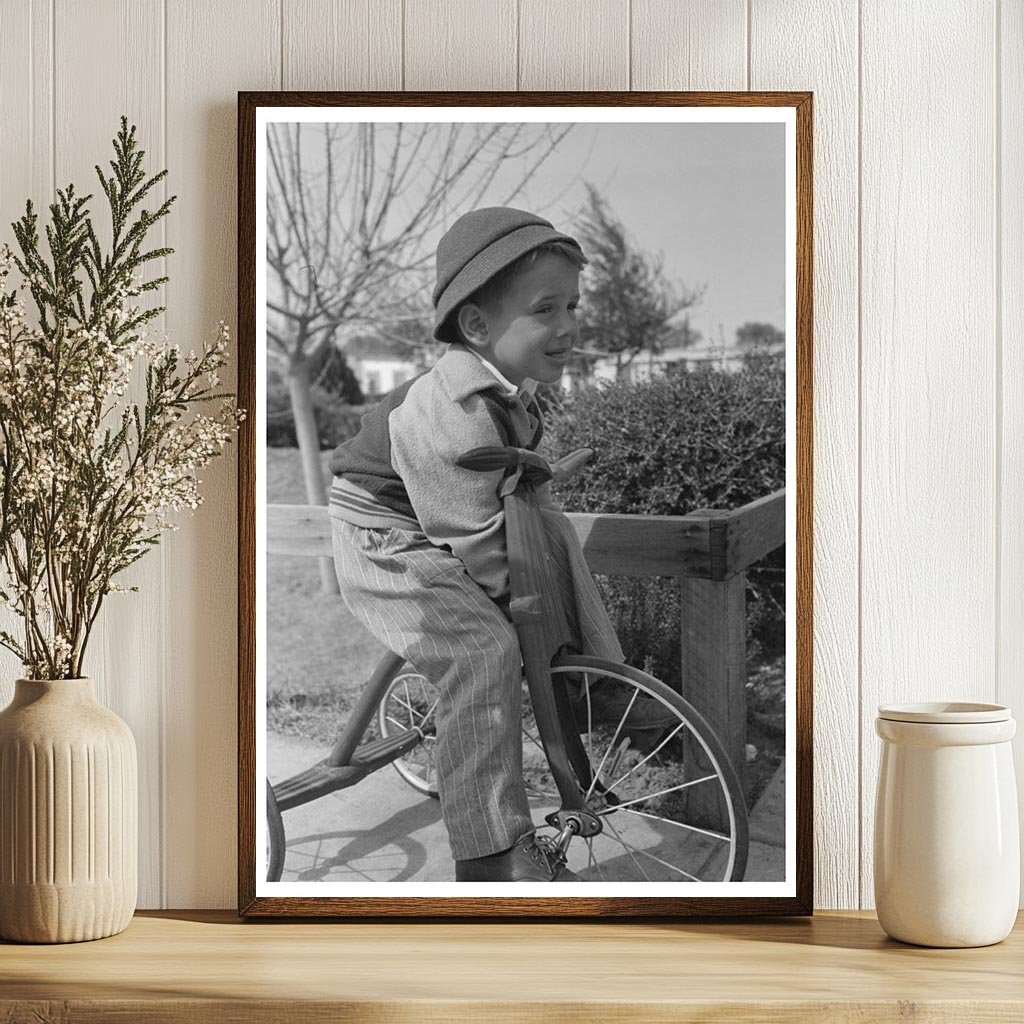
(309, 449)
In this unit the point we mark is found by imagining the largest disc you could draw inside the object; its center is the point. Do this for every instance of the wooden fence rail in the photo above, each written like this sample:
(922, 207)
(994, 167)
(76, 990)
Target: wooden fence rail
(708, 551)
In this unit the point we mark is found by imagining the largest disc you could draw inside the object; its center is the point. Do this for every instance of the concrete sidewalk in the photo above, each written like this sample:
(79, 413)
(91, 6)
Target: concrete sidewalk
(383, 830)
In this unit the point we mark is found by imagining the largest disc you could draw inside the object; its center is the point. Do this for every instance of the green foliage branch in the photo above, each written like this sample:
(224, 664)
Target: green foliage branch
(89, 477)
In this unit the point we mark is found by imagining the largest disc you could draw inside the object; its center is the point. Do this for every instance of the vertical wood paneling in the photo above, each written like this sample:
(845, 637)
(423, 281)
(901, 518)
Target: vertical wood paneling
(26, 171)
(575, 44)
(814, 46)
(1010, 176)
(126, 665)
(26, 102)
(213, 51)
(928, 363)
(468, 44)
(342, 44)
(935, 242)
(689, 44)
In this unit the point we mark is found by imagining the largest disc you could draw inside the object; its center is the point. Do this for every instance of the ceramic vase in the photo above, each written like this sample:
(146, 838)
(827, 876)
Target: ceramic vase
(68, 815)
(947, 847)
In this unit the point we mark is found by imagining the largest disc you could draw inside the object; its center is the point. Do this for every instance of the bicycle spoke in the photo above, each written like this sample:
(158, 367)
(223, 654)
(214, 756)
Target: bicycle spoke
(408, 707)
(622, 721)
(661, 792)
(592, 859)
(675, 732)
(629, 850)
(533, 739)
(614, 766)
(408, 701)
(590, 719)
(678, 824)
(663, 863)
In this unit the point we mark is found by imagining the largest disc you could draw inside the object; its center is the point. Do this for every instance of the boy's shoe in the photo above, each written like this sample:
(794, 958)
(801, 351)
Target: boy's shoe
(530, 860)
(608, 703)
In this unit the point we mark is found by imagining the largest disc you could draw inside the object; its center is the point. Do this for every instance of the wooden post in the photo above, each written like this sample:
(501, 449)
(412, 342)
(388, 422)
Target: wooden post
(714, 657)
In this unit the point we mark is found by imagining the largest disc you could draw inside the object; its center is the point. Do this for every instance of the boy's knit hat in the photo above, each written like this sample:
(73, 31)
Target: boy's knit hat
(477, 246)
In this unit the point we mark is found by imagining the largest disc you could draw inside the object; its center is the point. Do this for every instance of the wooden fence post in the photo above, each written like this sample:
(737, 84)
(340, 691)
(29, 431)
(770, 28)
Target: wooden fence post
(714, 633)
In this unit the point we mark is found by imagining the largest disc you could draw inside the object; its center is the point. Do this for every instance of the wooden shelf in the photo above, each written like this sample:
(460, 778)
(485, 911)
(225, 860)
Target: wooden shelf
(208, 966)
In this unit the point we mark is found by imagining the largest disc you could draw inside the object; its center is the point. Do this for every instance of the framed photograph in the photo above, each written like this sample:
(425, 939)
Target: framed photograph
(525, 504)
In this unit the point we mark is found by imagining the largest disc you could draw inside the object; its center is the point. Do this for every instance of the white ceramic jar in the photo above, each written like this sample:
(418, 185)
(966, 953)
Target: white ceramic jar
(947, 847)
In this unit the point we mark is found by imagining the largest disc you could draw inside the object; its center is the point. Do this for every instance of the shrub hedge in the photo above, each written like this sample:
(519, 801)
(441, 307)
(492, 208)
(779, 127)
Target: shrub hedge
(678, 442)
(337, 401)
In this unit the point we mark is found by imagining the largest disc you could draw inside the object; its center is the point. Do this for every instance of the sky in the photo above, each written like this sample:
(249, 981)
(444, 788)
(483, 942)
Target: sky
(710, 198)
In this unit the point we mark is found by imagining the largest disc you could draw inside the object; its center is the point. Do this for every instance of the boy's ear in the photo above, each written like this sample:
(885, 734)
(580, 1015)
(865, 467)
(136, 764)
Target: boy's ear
(472, 324)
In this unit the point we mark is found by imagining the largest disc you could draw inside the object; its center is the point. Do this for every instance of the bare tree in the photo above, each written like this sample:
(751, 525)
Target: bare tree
(351, 212)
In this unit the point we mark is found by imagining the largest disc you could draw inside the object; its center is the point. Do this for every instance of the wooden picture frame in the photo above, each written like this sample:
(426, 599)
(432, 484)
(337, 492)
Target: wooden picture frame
(717, 545)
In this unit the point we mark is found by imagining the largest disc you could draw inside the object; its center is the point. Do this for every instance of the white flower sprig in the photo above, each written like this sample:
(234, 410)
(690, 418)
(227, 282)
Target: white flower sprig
(88, 477)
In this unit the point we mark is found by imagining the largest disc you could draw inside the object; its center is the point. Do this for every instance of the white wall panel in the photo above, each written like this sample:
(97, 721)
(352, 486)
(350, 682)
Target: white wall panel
(342, 44)
(213, 51)
(26, 169)
(26, 102)
(574, 44)
(928, 514)
(127, 669)
(814, 46)
(460, 44)
(1010, 313)
(689, 44)
(920, 592)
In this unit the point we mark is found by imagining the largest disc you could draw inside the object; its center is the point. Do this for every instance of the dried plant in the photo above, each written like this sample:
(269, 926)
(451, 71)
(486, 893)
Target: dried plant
(88, 477)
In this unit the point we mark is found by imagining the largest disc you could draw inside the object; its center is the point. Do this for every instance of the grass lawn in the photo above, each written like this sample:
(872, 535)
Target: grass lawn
(318, 655)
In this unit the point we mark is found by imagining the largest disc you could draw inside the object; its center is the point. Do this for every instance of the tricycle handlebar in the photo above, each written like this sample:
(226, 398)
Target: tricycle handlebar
(488, 459)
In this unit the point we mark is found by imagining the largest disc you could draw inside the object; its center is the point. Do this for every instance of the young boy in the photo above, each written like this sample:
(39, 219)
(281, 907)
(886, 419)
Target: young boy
(419, 542)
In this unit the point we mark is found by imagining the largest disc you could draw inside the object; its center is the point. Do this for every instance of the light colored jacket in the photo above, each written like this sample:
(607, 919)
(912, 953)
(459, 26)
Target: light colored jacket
(430, 423)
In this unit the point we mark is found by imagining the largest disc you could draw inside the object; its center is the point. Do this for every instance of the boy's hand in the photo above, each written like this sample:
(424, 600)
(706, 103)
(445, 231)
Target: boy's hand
(569, 465)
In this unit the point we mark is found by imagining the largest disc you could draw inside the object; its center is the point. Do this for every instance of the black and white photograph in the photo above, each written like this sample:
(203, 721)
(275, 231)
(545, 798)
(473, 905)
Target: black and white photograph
(524, 465)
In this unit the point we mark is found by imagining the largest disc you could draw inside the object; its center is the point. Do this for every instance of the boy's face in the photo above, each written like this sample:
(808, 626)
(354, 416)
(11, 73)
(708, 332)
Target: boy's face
(529, 329)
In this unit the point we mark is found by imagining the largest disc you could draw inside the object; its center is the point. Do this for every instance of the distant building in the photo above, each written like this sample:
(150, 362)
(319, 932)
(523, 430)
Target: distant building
(379, 376)
(379, 367)
(702, 352)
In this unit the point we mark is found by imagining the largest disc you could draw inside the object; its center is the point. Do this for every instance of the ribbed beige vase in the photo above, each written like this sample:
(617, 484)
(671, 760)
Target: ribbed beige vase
(68, 815)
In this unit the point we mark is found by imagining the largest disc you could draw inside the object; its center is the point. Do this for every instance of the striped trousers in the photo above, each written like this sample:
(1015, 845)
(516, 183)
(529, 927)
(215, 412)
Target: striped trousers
(419, 601)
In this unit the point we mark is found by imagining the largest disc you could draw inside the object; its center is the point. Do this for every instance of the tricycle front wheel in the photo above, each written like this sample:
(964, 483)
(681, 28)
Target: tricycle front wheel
(654, 773)
(652, 769)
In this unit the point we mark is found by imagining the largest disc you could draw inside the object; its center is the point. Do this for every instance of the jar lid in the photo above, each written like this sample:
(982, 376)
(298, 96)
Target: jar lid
(945, 712)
